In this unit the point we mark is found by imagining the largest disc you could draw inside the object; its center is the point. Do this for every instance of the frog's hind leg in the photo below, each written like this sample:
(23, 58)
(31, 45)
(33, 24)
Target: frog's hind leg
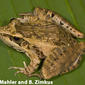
(59, 20)
(67, 26)
(28, 70)
(51, 16)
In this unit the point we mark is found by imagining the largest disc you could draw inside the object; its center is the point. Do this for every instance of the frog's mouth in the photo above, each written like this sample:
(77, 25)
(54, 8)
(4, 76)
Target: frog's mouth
(14, 42)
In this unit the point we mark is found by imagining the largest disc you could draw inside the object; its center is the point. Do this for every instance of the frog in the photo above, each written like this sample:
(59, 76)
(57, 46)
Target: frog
(44, 36)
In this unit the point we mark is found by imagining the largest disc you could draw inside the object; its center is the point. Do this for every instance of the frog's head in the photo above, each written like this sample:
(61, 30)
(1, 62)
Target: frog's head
(10, 37)
(10, 30)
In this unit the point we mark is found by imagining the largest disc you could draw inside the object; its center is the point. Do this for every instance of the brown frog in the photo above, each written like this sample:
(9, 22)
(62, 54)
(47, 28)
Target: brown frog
(44, 36)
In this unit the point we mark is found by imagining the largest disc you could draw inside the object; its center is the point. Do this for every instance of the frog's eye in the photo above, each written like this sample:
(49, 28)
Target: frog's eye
(16, 38)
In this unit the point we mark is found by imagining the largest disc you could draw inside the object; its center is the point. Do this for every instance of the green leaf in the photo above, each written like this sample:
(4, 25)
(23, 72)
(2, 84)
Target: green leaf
(72, 10)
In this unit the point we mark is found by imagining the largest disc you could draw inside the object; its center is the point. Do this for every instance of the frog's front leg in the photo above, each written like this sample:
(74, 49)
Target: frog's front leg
(28, 70)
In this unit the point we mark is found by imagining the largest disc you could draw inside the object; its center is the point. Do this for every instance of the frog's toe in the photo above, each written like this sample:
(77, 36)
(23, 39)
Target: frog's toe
(19, 72)
(20, 69)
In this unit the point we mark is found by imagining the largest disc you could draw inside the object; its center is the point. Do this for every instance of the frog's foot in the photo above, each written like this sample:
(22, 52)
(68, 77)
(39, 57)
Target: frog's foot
(26, 70)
